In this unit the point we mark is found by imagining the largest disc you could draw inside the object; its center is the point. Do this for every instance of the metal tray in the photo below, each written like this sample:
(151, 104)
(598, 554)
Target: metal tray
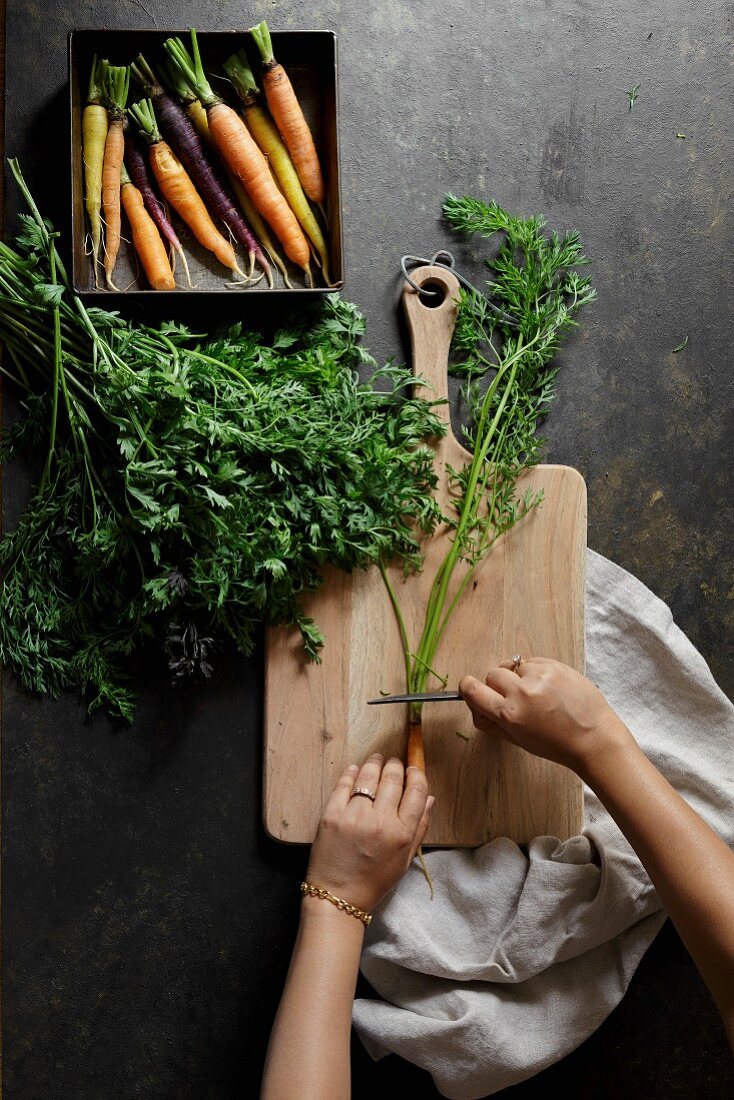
(310, 58)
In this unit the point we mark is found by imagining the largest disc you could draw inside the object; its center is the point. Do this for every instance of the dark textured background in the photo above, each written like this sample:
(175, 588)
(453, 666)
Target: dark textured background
(147, 921)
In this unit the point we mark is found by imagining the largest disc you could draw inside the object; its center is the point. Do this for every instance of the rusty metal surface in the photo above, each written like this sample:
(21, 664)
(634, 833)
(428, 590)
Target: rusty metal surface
(147, 921)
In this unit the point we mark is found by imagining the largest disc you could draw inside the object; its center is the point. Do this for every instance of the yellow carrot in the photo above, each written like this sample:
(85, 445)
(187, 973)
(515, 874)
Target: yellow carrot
(267, 136)
(94, 134)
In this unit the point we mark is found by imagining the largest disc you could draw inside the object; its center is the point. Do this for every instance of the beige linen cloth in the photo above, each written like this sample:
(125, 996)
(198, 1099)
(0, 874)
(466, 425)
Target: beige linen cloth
(519, 958)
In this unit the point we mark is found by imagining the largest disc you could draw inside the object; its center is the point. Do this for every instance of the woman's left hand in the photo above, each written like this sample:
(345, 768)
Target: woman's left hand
(363, 847)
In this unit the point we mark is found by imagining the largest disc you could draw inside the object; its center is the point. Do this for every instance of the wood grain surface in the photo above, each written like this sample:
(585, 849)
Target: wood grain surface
(527, 597)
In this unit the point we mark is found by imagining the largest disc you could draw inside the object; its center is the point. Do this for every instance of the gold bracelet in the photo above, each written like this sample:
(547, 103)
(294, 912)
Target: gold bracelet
(352, 910)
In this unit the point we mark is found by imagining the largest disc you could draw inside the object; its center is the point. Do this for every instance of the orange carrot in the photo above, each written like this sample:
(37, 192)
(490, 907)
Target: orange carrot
(146, 238)
(177, 188)
(117, 84)
(286, 110)
(242, 155)
(415, 754)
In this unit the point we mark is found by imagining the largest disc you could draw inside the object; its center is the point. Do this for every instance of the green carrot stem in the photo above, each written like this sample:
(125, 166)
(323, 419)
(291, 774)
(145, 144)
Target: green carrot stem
(97, 79)
(237, 68)
(143, 113)
(435, 620)
(145, 76)
(176, 83)
(117, 86)
(405, 641)
(261, 37)
(191, 69)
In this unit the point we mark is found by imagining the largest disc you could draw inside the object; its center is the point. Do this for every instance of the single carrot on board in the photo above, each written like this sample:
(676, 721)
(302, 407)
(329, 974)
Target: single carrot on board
(265, 133)
(415, 756)
(94, 135)
(177, 188)
(146, 238)
(289, 118)
(241, 153)
(117, 84)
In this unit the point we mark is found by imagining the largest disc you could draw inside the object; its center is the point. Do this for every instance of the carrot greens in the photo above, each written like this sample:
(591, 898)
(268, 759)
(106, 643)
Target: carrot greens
(196, 485)
(510, 370)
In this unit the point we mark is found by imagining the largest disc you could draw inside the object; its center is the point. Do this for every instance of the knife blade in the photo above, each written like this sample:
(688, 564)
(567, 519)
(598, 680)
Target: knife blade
(420, 697)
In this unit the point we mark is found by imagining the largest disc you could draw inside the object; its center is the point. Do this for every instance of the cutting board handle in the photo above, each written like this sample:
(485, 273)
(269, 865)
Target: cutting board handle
(431, 328)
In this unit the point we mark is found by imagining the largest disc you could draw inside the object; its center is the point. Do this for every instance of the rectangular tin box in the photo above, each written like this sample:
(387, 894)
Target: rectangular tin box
(310, 60)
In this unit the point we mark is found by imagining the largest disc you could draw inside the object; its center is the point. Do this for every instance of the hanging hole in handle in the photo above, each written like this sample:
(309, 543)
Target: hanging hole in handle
(435, 293)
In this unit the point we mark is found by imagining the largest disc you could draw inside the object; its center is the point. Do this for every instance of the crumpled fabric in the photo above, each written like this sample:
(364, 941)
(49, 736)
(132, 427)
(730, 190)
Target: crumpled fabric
(520, 957)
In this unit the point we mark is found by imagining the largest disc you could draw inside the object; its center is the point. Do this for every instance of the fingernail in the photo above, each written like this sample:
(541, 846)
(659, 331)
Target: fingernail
(376, 756)
(411, 768)
(430, 803)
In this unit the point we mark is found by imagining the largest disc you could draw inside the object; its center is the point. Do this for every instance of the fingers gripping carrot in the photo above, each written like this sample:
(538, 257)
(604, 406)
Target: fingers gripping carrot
(146, 238)
(286, 110)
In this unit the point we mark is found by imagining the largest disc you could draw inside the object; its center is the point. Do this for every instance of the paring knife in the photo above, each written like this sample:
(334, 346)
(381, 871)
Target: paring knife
(420, 697)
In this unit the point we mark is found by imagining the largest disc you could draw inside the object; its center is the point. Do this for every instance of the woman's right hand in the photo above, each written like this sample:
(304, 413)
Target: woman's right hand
(547, 708)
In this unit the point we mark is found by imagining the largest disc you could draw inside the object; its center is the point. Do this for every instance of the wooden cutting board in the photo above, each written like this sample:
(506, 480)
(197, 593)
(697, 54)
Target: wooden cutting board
(526, 597)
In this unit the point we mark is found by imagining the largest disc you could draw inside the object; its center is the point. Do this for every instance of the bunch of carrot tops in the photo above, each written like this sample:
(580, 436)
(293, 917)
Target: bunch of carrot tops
(246, 177)
(189, 487)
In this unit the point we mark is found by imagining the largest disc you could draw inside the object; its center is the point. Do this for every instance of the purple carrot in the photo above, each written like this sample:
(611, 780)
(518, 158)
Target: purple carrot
(181, 135)
(138, 172)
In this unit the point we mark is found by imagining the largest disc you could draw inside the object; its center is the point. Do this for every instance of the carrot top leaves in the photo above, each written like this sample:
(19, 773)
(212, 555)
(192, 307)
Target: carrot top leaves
(143, 113)
(505, 342)
(190, 68)
(199, 485)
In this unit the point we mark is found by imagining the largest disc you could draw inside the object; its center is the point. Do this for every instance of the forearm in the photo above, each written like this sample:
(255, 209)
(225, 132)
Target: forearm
(309, 1051)
(690, 866)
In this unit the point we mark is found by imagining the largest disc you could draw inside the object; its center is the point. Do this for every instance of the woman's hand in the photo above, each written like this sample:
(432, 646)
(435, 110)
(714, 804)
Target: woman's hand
(547, 708)
(362, 848)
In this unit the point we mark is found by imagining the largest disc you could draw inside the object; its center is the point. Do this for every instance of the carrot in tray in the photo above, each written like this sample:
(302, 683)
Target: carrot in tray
(177, 188)
(117, 84)
(242, 154)
(94, 135)
(196, 113)
(286, 110)
(136, 166)
(266, 135)
(183, 138)
(146, 238)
